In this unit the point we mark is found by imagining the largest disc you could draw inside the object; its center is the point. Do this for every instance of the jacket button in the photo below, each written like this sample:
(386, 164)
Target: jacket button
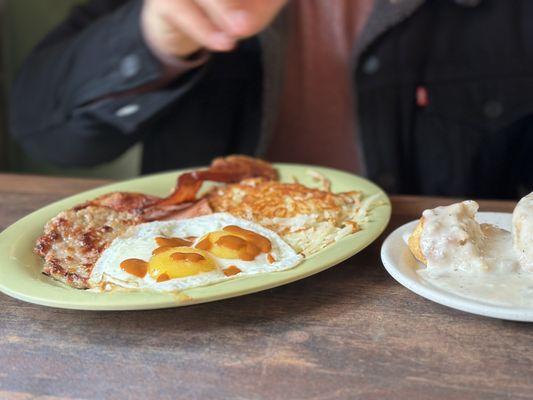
(130, 66)
(371, 65)
(128, 110)
(493, 109)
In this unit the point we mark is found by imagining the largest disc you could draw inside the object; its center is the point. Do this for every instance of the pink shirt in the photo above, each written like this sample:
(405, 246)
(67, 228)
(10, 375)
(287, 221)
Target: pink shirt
(317, 122)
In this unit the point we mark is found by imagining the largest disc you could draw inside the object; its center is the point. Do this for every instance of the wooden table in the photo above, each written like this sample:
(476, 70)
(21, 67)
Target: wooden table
(348, 332)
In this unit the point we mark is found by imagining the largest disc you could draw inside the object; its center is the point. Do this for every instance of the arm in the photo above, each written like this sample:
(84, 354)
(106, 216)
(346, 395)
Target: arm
(86, 92)
(76, 102)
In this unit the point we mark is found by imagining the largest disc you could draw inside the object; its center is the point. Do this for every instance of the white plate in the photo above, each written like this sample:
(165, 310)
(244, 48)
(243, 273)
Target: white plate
(402, 266)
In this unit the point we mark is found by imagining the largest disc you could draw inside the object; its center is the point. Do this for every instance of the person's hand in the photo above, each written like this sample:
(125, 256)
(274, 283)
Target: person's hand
(182, 27)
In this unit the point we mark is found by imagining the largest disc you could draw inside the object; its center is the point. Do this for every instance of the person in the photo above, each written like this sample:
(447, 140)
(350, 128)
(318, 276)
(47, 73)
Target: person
(423, 97)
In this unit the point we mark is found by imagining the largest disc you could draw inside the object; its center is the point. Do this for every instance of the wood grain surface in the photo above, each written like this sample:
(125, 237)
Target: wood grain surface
(347, 333)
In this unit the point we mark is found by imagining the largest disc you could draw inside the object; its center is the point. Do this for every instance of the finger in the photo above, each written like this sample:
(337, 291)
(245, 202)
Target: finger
(230, 15)
(188, 17)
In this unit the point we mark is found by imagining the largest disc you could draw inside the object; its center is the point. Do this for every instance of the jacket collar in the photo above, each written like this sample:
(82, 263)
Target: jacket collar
(385, 15)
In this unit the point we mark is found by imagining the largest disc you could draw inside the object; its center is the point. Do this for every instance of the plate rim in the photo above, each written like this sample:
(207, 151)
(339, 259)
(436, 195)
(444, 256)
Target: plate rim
(441, 296)
(376, 231)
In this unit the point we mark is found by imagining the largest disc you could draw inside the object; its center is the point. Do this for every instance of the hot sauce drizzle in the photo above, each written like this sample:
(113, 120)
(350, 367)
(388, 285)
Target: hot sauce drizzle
(134, 266)
(247, 244)
(260, 241)
(232, 242)
(161, 250)
(172, 242)
(231, 270)
(189, 257)
(204, 244)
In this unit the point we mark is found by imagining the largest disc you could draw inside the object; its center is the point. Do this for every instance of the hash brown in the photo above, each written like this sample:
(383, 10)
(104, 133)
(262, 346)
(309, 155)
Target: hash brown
(307, 218)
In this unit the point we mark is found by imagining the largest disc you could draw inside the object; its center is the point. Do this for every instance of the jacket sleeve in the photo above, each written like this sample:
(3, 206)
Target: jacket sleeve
(64, 103)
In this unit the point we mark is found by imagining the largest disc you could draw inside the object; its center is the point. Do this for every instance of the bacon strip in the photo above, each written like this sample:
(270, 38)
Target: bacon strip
(179, 211)
(231, 169)
(227, 170)
(190, 183)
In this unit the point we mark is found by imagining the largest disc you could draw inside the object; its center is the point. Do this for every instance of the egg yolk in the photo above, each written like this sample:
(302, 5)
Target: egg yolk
(234, 242)
(179, 262)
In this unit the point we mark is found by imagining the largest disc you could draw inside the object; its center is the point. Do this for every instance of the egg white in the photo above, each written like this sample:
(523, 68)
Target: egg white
(139, 242)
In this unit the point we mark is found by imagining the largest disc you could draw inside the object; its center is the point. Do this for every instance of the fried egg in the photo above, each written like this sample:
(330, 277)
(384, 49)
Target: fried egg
(176, 255)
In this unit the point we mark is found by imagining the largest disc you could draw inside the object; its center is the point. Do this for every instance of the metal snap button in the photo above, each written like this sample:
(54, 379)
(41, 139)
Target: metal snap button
(130, 66)
(128, 110)
(493, 109)
(371, 65)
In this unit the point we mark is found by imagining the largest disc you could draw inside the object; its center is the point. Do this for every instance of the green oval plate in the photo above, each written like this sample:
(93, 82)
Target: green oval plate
(20, 269)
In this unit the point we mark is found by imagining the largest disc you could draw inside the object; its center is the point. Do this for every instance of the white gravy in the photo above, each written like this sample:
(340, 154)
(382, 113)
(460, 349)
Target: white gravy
(451, 238)
(523, 231)
(476, 261)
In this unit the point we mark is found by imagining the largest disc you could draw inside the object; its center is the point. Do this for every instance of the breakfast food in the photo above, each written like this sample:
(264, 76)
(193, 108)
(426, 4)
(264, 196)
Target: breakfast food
(249, 223)
(413, 241)
(178, 255)
(523, 232)
(74, 240)
(476, 260)
(308, 219)
(227, 170)
(449, 236)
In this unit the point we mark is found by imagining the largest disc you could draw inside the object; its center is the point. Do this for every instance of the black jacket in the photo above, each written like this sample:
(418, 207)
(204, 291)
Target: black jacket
(444, 89)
